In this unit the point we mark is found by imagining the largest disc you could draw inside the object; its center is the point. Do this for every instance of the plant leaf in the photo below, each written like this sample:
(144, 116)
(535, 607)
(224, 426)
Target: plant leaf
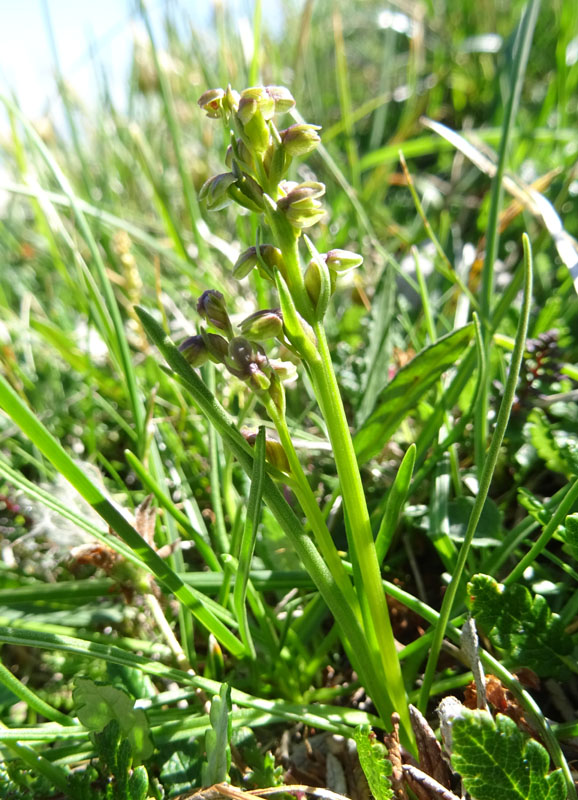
(408, 386)
(97, 705)
(571, 534)
(521, 624)
(217, 740)
(373, 759)
(496, 760)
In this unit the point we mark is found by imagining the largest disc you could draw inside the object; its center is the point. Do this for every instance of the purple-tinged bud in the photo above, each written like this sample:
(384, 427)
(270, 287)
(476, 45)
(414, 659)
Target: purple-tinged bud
(266, 258)
(240, 357)
(300, 139)
(282, 98)
(248, 364)
(301, 206)
(215, 192)
(262, 325)
(211, 307)
(300, 192)
(195, 350)
(342, 261)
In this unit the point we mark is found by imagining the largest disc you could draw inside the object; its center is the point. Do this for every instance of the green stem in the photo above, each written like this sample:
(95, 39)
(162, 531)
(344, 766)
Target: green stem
(313, 513)
(521, 54)
(485, 480)
(367, 578)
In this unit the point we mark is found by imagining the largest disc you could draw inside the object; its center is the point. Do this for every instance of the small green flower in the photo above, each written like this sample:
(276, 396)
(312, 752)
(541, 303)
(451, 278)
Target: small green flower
(211, 101)
(211, 306)
(300, 205)
(255, 99)
(218, 103)
(300, 139)
(262, 325)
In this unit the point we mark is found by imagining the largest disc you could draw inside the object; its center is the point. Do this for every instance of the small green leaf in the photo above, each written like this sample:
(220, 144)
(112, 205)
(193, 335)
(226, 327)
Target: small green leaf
(374, 762)
(557, 447)
(521, 624)
(97, 705)
(488, 528)
(217, 740)
(498, 762)
(406, 389)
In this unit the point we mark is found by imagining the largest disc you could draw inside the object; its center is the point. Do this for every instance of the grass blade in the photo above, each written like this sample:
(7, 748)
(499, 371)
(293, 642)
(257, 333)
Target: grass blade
(486, 477)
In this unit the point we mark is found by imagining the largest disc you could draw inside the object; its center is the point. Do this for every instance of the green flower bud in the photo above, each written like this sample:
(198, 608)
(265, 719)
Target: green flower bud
(267, 260)
(247, 193)
(255, 99)
(195, 350)
(217, 346)
(214, 192)
(301, 206)
(342, 261)
(300, 139)
(276, 162)
(312, 280)
(211, 306)
(282, 98)
(274, 452)
(242, 156)
(262, 325)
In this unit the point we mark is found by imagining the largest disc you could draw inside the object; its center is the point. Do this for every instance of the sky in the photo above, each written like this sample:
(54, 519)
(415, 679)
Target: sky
(26, 61)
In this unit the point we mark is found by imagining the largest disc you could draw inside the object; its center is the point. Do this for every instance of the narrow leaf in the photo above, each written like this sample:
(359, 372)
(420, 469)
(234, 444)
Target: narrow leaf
(218, 739)
(406, 389)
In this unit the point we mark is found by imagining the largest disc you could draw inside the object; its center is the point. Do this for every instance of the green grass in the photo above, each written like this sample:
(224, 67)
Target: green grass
(404, 482)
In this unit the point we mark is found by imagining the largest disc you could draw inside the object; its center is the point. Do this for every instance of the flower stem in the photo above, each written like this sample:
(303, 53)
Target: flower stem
(308, 503)
(367, 578)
